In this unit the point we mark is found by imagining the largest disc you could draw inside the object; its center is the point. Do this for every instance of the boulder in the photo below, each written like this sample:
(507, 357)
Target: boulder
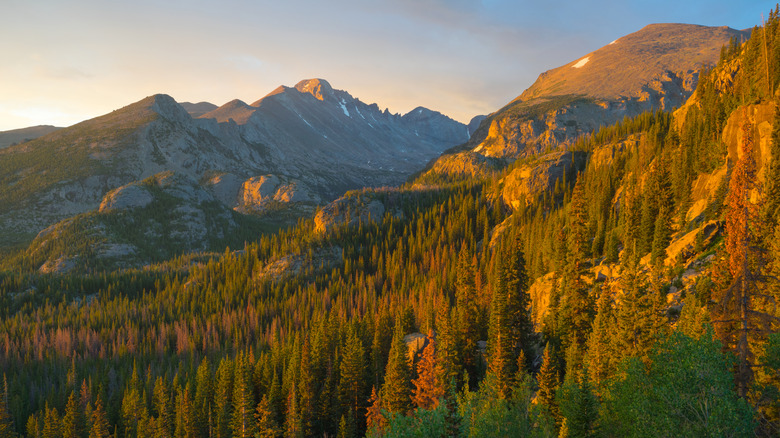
(61, 265)
(125, 197)
(349, 210)
(415, 343)
(260, 193)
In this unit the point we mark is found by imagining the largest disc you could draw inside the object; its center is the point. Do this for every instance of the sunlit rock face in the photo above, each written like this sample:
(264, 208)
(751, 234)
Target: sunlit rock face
(654, 68)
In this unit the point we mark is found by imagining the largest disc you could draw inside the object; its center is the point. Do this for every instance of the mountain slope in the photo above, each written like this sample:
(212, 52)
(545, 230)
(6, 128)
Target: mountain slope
(15, 136)
(198, 109)
(656, 67)
(313, 123)
(305, 134)
(143, 222)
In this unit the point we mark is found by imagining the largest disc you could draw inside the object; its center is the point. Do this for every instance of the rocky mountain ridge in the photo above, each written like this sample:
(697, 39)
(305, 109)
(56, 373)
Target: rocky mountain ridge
(317, 142)
(656, 67)
(16, 136)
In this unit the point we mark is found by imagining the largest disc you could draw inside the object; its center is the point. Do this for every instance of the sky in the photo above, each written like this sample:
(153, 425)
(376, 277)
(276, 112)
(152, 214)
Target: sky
(68, 61)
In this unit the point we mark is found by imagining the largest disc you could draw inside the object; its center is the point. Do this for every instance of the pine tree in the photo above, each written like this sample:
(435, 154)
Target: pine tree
(71, 421)
(343, 429)
(579, 245)
(576, 308)
(183, 415)
(499, 349)
(222, 398)
(51, 423)
(203, 399)
(549, 380)
(467, 311)
(6, 424)
(267, 426)
(243, 399)
(447, 363)
(352, 383)
(601, 354)
(739, 321)
(428, 387)
(638, 318)
(397, 391)
(375, 419)
(276, 399)
(522, 384)
(293, 420)
(306, 390)
(100, 425)
(452, 418)
(661, 236)
(162, 408)
(134, 412)
(33, 427)
(86, 406)
(518, 302)
(578, 406)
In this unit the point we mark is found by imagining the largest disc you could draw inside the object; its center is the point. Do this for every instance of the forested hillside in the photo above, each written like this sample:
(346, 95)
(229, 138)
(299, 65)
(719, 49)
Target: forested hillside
(629, 291)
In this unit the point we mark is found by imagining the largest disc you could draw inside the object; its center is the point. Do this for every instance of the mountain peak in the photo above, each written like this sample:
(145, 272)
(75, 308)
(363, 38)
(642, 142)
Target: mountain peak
(167, 107)
(236, 109)
(318, 88)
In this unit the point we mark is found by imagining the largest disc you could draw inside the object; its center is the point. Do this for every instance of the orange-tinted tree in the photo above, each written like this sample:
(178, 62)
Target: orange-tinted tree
(739, 317)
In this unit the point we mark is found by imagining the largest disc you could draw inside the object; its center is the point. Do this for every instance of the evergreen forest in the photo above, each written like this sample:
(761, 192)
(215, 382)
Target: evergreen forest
(637, 298)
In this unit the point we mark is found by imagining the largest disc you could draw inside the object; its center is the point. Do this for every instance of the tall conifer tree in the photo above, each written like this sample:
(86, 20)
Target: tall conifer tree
(353, 377)
(71, 421)
(397, 391)
(100, 426)
(549, 379)
(428, 388)
(6, 424)
(739, 320)
(467, 311)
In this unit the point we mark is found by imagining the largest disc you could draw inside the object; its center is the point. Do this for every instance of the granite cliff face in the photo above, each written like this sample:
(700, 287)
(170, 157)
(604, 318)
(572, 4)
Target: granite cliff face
(523, 185)
(138, 223)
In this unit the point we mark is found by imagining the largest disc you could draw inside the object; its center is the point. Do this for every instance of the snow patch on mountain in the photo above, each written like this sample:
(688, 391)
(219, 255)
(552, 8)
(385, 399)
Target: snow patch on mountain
(343, 105)
(582, 62)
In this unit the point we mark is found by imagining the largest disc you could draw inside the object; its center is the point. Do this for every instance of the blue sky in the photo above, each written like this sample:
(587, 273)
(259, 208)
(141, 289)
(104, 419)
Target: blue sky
(66, 61)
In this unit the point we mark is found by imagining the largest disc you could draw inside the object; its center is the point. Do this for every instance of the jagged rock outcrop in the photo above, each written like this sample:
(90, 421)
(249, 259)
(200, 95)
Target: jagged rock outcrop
(128, 196)
(260, 193)
(525, 183)
(415, 344)
(62, 265)
(141, 222)
(704, 190)
(349, 210)
(321, 259)
(463, 164)
(761, 117)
